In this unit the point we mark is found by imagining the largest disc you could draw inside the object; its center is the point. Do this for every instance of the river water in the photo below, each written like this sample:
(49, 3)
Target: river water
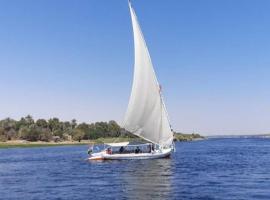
(208, 169)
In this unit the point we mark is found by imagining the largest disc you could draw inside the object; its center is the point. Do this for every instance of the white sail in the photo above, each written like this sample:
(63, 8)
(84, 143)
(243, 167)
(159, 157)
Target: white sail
(146, 115)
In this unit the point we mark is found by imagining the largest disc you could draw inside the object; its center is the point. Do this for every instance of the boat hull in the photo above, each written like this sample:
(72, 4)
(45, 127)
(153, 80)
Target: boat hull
(132, 156)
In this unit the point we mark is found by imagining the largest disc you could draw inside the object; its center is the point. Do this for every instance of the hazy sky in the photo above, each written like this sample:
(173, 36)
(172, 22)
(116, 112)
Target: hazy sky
(74, 59)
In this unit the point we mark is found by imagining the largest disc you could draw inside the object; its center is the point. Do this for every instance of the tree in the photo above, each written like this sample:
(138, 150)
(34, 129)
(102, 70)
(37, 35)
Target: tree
(42, 123)
(91, 133)
(54, 124)
(58, 133)
(77, 134)
(21, 123)
(26, 128)
(8, 124)
(29, 133)
(45, 135)
(24, 132)
(66, 126)
(101, 128)
(73, 123)
(29, 120)
(11, 134)
(3, 136)
(84, 128)
(114, 129)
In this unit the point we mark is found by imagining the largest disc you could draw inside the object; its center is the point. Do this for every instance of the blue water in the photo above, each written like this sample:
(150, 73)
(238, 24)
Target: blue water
(209, 169)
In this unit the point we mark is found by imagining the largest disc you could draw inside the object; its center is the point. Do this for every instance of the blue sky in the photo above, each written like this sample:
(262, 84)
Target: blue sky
(74, 59)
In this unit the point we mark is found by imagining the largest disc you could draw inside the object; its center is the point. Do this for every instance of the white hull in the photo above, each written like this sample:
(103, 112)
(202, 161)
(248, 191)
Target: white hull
(132, 156)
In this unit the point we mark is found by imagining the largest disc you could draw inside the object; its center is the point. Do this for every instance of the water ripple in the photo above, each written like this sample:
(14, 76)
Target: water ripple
(212, 169)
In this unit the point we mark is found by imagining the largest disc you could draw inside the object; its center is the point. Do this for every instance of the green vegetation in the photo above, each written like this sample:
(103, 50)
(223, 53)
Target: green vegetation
(55, 130)
(187, 137)
(27, 132)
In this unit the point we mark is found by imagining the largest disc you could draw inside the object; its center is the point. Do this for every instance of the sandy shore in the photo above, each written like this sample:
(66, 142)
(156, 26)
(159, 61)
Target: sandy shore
(24, 143)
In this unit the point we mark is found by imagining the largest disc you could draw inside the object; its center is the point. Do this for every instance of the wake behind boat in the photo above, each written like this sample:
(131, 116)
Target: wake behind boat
(146, 115)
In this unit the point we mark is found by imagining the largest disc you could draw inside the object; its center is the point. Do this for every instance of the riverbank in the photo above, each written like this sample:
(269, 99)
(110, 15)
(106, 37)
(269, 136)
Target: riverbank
(26, 144)
(181, 137)
(54, 132)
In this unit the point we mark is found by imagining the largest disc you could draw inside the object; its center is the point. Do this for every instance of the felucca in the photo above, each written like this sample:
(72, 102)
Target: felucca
(146, 115)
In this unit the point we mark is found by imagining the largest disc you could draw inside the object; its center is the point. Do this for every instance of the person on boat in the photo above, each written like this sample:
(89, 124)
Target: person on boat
(137, 150)
(149, 148)
(109, 150)
(121, 150)
(90, 150)
(153, 147)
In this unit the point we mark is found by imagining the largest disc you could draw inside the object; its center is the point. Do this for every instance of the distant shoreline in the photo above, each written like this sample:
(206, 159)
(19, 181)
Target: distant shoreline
(27, 144)
(28, 132)
(239, 136)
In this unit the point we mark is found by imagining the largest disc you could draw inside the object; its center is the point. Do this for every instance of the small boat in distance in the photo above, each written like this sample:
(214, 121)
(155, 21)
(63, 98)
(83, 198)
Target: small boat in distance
(146, 115)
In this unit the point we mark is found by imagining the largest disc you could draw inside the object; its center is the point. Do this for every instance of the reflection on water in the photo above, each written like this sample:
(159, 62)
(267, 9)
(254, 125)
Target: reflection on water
(148, 179)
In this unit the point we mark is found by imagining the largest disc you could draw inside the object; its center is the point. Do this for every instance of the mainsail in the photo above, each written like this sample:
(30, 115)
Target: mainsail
(146, 115)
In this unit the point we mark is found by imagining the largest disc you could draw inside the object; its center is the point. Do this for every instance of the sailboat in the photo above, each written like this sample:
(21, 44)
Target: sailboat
(146, 115)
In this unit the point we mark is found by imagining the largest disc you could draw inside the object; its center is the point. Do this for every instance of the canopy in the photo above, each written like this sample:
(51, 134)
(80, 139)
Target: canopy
(119, 144)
